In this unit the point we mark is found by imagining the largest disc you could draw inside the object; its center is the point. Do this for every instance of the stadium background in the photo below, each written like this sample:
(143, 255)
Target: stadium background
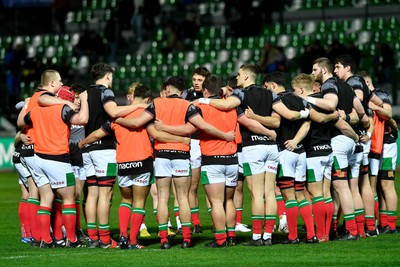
(179, 35)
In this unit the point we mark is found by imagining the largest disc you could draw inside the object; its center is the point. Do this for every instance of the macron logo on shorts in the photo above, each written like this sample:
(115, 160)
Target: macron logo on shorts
(130, 165)
(181, 171)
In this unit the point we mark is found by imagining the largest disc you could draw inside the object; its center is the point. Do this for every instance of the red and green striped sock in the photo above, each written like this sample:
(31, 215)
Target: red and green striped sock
(69, 221)
(124, 215)
(44, 214)
(136, 221)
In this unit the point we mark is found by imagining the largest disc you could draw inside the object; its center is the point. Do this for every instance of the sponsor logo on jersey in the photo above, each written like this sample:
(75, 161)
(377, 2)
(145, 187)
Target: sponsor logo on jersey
(323, 147)
(259, 138)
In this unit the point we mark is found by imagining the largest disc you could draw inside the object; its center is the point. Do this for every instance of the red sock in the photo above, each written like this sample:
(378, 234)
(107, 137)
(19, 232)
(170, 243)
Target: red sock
(281, 205)
(370, 222)
(44, 214)
(124, 215)
(306, 214)
(57, 221)
(104, 233)
(220, 236)
(92, 231)
(391, 219)
(33, 207)
(350, 224)
(257, 222)
(292, 212)
(24, 218)
(69, 221)
(360, 222)
(318, 207)
(239, 212)
(329, 209)
(163, 234)
(186, 232)
(269, 223)
(231, 231)
(195, 216)
(383, 216)
(136, 220)
(78, 214)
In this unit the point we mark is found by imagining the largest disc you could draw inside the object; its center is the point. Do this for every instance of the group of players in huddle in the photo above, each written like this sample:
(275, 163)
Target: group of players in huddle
(325, 148)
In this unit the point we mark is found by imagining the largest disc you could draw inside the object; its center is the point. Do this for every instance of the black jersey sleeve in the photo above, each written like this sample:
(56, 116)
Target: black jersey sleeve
(151, 109)
(107, 95)
(275, 98)
(383, 96)
(329, 87)
(67, 114)
(240, 112)
(191, 112)
(106, 127)
(27, 119)
(238, 93)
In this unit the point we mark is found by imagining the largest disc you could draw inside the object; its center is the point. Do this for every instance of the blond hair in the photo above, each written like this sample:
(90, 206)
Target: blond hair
(132, 88)
(304, 81)
(48, 76)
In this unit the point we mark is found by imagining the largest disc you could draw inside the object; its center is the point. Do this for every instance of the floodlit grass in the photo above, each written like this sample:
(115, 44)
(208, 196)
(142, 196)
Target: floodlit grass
(380, 251)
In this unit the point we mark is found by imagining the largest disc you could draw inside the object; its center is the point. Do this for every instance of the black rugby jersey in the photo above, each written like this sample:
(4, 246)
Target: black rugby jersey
(260, 100)
(77, 134)
(98, 96)
(358, 83)
(382, 95)
(288, 129)
(345, 96)
(318, 140)
(191, 95)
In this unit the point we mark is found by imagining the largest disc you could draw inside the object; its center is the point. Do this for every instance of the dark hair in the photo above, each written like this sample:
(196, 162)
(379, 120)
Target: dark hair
(143, 92)
(213, 84)
(99, 70)
(77, 88)
(324, 62)
(277, 77)
(347, 61)
(251, 69)
(176, 81)
(232, 82)
(202, 71)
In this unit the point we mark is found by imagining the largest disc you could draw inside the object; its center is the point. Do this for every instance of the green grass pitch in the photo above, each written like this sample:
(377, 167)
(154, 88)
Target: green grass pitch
(383, 250)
